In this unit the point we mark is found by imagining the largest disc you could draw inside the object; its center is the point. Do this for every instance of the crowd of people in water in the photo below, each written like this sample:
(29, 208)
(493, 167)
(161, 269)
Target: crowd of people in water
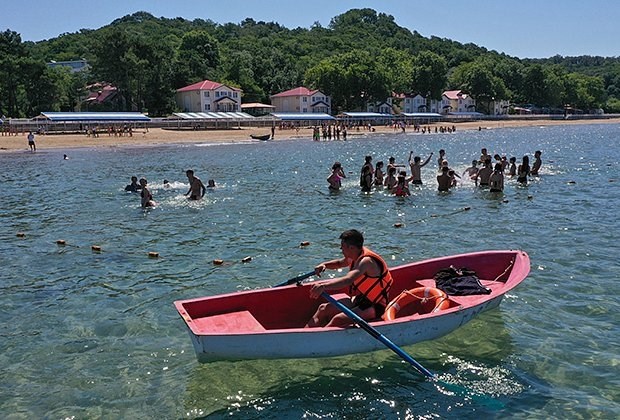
(196, 190)
(487, 172)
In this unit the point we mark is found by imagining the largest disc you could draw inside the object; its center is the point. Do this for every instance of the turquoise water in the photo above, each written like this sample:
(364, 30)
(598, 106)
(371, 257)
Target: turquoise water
(95, 335)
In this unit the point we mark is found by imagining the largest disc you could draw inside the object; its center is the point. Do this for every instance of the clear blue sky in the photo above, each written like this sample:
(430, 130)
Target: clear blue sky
(521, 28)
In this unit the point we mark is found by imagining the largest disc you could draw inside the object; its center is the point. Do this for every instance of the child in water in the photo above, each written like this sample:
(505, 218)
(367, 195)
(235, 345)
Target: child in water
(391, 181)
(336, 176)
(401, 189)
(145, 195)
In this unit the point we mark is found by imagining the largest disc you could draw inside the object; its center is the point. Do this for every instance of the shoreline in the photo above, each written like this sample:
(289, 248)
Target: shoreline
(159, 136)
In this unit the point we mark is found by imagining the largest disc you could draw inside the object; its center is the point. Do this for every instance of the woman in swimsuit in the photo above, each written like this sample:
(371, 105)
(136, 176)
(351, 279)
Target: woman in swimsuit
(336, 176)
(523, 170)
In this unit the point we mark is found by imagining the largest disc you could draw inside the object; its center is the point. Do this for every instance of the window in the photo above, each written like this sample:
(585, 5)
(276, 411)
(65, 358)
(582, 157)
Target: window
(206, 94)
(234, 94)
(207, 107)
(217, 94)
(305, 99)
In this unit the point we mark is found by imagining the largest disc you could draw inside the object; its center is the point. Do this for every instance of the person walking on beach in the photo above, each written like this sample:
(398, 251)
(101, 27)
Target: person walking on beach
(369, 281)
(537, 163)
(33, 147)
(197, 189)
(416, 168)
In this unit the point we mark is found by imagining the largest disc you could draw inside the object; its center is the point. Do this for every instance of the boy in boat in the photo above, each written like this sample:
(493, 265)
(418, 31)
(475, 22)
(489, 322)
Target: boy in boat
(369, 281)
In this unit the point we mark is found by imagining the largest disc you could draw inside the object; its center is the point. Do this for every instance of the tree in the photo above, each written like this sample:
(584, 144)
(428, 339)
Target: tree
(12, 57)
(429, 74)
(352, 79)
(197, 55)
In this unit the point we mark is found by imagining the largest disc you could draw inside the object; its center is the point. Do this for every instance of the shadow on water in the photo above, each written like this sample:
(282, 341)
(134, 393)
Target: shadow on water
(377, 384)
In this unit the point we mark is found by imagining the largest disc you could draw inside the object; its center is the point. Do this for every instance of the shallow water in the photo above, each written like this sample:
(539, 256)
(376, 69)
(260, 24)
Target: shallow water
(90, 334)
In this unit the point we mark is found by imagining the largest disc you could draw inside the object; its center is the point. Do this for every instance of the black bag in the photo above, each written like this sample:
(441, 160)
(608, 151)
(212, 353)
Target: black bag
(459, 282)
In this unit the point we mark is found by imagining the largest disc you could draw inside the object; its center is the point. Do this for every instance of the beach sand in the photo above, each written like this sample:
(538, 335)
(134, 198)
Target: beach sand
(158, 136)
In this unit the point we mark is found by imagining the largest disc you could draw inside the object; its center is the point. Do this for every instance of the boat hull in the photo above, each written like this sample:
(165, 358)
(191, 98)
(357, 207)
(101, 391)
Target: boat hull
(250, 325)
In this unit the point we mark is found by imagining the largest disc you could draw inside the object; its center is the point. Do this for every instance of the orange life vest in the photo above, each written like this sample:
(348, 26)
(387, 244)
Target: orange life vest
(375, 289)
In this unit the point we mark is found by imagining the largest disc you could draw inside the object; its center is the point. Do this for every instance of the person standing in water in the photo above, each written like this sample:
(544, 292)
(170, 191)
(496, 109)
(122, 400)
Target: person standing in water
(537, 163)
(196, 187)
(133, 186)
(523, 170)
(496, 181)
(416, 166)
(335, 178)
(145, 195)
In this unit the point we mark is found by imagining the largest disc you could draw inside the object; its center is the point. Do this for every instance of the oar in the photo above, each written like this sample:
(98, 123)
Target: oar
(457, 389)
(296, 279)
(376, 334)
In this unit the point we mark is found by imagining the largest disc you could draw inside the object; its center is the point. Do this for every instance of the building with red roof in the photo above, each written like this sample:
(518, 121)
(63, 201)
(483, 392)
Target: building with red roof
(302, 100)
(209, 96)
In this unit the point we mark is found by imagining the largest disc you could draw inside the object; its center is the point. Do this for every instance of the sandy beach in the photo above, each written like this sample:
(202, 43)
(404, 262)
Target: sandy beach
(158, 136)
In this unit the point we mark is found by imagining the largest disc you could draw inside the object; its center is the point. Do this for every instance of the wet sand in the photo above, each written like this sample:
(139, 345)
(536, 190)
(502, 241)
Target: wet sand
(158, 136)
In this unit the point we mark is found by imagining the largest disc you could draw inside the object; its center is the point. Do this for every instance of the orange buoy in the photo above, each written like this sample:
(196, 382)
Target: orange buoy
(61, 242)
(304, 243)
(397, 225)
(421, 300)
(218, 262)
(153, 254)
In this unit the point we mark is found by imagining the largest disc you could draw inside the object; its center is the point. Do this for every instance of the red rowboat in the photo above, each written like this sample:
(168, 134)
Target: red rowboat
(268, 323)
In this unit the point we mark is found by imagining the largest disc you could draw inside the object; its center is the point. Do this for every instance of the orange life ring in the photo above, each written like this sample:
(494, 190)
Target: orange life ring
(424, 300)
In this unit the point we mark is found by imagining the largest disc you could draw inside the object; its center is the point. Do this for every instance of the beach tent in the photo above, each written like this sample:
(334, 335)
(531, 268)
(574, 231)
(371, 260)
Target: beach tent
(212, 115)
(86, 117)
(374, 117)
(302, 116)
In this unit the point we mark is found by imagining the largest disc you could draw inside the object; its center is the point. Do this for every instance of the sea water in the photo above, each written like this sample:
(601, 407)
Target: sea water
(95, 335)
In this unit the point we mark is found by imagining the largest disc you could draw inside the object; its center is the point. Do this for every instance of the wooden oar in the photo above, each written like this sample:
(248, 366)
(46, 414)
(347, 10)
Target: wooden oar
(296, 279)
(376, 334)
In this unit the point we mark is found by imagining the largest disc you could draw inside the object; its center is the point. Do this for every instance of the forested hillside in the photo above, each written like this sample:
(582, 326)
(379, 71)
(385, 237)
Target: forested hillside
(363, 55)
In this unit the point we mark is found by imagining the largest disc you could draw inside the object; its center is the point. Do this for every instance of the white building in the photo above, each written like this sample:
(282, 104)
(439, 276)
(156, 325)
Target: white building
(455, 101)
(406, 103)
(208, 96)
(301, 100)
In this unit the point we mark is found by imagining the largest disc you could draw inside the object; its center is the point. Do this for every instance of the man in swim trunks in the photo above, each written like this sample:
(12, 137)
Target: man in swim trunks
(196, 188)
(33, 147)
(368, 282)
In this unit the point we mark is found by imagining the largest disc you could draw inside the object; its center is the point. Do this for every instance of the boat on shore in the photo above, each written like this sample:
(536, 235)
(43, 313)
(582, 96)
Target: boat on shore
(264, 137)
(269, 323)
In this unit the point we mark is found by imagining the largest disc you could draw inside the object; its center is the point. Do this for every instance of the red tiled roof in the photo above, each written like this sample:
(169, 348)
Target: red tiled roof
(298, 91)
(102, 95)
(453, 94)
(204, 85)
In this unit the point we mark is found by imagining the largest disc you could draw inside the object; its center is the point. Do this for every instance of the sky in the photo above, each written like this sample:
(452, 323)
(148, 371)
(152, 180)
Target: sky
(519, 28)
